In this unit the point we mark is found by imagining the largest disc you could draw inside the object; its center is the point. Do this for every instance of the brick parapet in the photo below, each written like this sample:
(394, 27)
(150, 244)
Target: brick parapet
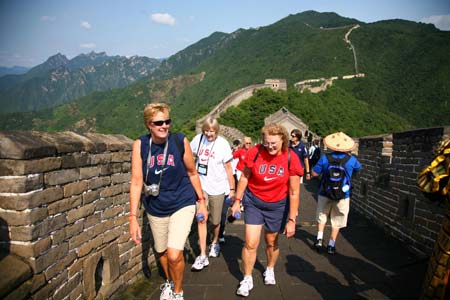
(386, 189)
(63, 205)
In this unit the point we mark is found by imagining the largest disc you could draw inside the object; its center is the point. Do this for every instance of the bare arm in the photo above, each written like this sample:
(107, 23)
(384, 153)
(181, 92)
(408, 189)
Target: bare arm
(135, 191)
(294, 203)
(229, 171)
(242, 185)
(189, 163)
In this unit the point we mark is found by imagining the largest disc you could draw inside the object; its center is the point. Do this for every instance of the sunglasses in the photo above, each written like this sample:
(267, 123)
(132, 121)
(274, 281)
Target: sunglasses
(160, 123)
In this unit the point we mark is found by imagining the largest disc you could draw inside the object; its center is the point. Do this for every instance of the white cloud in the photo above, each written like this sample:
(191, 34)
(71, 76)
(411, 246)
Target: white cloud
(85, 25)
(47, 18)
(163, 18)
(442, 22)
(88, 45)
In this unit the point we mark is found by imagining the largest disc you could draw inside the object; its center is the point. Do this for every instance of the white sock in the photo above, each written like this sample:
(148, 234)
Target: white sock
(320, 235)
(331, 243)
(269, 268)
(249, 277)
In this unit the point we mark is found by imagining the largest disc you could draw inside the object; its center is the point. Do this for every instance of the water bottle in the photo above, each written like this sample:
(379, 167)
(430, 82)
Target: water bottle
(231, 218)
(227, 200)
(200, 217)
(345, 188)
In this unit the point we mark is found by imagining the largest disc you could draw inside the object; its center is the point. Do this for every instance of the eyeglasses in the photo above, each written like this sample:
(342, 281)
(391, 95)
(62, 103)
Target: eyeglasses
(265, 144)
(293, 136)
(161, 122)
(248, 143)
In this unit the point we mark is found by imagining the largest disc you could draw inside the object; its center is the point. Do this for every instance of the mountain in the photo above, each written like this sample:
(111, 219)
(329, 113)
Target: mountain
(16, 70)
(60, 80)
(405, 86)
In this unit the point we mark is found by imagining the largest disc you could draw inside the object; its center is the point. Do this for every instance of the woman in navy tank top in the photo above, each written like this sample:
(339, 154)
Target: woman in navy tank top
(164, 177)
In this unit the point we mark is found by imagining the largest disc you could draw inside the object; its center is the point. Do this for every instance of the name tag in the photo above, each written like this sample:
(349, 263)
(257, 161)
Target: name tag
(202, 169)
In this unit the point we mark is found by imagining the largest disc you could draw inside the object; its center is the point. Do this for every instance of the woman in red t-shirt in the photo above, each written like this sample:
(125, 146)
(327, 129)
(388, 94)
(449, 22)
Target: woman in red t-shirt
(270, 192)
(241, 154)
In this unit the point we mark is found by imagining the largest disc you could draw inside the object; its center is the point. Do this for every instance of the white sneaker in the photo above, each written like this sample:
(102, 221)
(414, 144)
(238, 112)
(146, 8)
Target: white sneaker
(200, 263)
(214, 250)
(178, 296)
(269, 277)
(245, 287)
(166, 291)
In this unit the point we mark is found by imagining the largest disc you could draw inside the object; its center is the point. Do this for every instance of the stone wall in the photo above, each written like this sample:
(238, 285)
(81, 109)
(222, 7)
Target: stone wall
(63, 212)
(386, 192)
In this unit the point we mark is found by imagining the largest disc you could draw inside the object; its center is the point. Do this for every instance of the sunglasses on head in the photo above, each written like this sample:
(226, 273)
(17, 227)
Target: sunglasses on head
(160, 123)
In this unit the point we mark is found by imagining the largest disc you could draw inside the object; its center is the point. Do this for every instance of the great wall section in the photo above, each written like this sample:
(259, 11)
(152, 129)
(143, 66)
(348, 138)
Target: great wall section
(64, 206)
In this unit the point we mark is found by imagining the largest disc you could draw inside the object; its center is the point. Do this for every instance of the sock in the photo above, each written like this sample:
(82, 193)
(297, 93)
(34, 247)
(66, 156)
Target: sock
(320, 235)
(269, 268)
(331, 243)
(249, 277)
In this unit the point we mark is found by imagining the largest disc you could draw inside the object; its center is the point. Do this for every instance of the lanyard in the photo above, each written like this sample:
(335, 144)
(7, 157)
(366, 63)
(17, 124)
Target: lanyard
(164, 160)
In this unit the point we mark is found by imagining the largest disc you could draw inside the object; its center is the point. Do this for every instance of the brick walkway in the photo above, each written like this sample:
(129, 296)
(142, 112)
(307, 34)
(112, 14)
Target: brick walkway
(368, 265)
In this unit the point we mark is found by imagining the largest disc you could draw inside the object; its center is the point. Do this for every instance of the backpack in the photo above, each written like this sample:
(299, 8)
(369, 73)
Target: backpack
(315, 156)
(434, 180)
(334, 180)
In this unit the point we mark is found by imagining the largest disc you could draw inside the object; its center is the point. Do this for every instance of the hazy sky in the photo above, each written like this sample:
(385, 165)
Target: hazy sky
(33, 30)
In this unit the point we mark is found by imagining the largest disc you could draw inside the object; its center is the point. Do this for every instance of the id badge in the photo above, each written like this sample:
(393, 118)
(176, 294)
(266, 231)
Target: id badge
(202, 169)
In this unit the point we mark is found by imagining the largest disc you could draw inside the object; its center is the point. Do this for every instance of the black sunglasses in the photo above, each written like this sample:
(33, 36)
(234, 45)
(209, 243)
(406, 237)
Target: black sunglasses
(160, 123)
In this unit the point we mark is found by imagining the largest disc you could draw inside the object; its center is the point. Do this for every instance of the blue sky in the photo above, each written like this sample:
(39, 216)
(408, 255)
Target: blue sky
(33, 30)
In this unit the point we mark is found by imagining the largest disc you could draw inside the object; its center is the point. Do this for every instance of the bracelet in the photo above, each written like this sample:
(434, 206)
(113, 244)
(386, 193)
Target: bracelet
(237, 199)
(307, 172)
(231, 189)
(293, 220)
(201, 199)
(132, 215)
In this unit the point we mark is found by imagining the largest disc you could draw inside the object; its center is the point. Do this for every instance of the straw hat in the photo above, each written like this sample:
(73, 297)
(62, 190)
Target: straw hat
(339, 141)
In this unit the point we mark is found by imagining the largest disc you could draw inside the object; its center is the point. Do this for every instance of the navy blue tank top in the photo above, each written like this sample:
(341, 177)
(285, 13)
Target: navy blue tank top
(175, 191)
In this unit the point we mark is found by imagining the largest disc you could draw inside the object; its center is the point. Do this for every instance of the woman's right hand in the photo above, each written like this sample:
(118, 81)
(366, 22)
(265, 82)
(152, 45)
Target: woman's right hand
(236, 207)
(135, 230)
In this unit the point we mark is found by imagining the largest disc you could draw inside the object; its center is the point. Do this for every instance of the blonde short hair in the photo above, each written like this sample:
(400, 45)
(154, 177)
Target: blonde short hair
(276, 129)
(151, 109)
(211, 123)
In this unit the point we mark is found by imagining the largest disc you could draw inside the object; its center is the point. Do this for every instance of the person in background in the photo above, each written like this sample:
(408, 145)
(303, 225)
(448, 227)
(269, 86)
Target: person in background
(313, 155)
(241, 154)
(162, 166)
(216, 175)
(228, 201)
(300, 149)
(270, 191)
(340, 144)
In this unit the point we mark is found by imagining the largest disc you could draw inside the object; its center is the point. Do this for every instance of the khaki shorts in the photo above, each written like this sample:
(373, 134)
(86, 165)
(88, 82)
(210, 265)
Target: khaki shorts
(214, 204)
(172, 231)
(338, 211)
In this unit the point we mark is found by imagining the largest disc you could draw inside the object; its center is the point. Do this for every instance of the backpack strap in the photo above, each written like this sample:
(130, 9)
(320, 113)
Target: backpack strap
(257, 153)
(289, 155)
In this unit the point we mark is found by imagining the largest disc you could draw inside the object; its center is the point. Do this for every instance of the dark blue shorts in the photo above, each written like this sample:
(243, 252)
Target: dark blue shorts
(273, 215)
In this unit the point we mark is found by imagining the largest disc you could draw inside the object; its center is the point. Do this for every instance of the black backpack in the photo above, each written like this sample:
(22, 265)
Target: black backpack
(334, 178)
(315, 156)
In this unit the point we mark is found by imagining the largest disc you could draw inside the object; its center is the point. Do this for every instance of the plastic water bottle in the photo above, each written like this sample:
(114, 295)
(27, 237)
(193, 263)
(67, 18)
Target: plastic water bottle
(200, 217)
(345, 188)
(227, 200)
(231, 218)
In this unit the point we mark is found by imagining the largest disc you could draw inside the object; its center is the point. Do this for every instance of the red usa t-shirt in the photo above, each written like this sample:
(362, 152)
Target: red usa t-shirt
(269, 179)
(240, 154)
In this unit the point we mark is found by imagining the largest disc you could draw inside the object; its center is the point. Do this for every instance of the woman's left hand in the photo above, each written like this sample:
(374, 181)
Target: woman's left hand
(289, 230)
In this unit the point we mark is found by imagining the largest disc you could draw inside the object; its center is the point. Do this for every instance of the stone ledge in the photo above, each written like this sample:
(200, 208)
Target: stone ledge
(14, 273)
(34, 144)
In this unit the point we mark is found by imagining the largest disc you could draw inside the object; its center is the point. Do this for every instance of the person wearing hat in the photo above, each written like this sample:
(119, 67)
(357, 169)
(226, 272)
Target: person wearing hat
(340, 144)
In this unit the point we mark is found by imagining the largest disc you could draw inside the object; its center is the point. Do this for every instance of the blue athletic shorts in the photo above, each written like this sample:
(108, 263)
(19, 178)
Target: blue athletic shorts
(273, 215)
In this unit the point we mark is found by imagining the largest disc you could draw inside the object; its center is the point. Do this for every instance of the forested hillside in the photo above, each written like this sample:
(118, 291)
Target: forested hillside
(406, 83)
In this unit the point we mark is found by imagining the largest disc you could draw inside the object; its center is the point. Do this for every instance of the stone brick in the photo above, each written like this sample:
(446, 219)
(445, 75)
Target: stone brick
(75, 160)
(68, 287)
(112, 142)
(112, 234)
(31, 249)
(9, 167)
(120, 178)
(61, 177)
(76, 267)
(95, 183)
(73, 229)
(126, 167)
(101, 159)
(31, 199)
(53, 223)
(112, 212)
(75, 188)
(103, 203)
(14, 273)
(58, 236)
(64, 205)
(121, 199)
(79, 213)
(38, 282)
(111, 191)
(21, 184)
(121, 157)
(59, 265)
(89, 172)
(47, 290)
(92, 220)
(17, 218)
(24, 145)
(91, 196)
(111, 169)
(87, 247)
(77, 293)
(47, 259)
(22, 292)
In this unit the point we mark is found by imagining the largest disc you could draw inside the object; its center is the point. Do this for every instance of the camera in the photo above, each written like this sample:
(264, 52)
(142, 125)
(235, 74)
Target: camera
(151, 190)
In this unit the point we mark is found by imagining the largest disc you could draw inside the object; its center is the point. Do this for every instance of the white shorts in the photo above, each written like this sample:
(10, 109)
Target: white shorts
(338, 211)
(172, 231)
